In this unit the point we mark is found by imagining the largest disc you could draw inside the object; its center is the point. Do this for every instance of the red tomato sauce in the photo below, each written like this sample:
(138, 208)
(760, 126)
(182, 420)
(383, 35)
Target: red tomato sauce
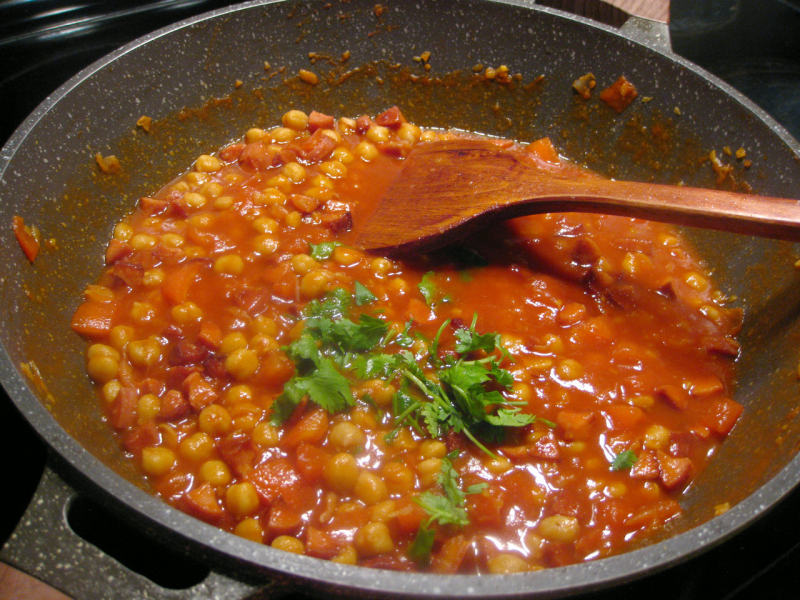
(541, 395)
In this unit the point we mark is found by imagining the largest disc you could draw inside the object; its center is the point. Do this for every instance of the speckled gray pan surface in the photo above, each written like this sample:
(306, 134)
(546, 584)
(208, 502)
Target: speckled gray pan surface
(48, 176)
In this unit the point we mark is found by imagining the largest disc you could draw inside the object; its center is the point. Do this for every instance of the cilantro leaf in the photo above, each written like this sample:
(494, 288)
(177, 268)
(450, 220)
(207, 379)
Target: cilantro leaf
(441, 509)
(332, 306)
(324, 386)
(624, 461)
(427, 288)
(468, 340)
(370, 366)
(323, 250)
(363, 295)
(510, 417)
(420, 549)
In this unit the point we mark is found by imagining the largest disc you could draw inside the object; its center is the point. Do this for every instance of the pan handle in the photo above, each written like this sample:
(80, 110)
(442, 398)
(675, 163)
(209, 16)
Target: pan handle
(44, 546)
(645, 21)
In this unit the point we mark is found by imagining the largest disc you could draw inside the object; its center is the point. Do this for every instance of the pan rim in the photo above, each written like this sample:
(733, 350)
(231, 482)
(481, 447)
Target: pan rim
(549, 582)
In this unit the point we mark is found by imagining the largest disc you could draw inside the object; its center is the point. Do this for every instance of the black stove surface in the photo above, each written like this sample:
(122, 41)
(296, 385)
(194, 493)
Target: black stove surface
(752, 44)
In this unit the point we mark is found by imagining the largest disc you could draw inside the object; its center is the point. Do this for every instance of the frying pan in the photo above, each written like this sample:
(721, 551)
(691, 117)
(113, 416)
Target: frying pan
(184, 78)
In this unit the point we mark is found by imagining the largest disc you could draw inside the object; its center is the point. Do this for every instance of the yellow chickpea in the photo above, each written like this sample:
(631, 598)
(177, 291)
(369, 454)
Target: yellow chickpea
(242, 499)
(333, 169)
(157, 460)
(342, 155)
(229, 264)
(148, 407)
(282, 134)
(144, 353)
(172, 240)
(432, 449)
(102, 368)
(142, 241)
(378, 134)
(315, 283)
(366, 151)
(186, 312)
(348, 556)
(254, 134)
(265, 225)
(569, 369)
(341, 473)
(266, 245)
(214, 420)
(196, 447)
(295, 172)
(272, 196)
(242, 363)
(408, 132)
(195, 199)
(656, 437)
(215, 472)
(346, 436)
(398, 478)
(295, 119)
(120, 336)
(293, 218)
(380, 391)
(233, 341)
(506, 562)
(345, 256)
(110, 390)
(250, 529)
(559, 528)
(428, 470)
(265, 434)
(287, 543)
(207, 164)
(372, 539)
(123, 232)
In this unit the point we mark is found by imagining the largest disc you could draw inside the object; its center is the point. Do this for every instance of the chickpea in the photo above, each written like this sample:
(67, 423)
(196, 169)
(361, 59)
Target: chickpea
(214, 420)
(287, 543)
(341, 473)
(380, 391)
(254, 134)
(266, 245)
(148, 407)
(315, 283)
(282, 134)
(342, 155)
(380, 267)
(207, 164)
(616, 490)
(348, 556)
(295, 172)
(366, 151)
(428, 471)
(263, 344)
(212, 189)
(266, 434)
(498, 465)
(142, 241)
(229, 264)
(102, 368)
(123, 232)
(569, 369)
(506, 562)
(242, 363)
(250, 529)
(656, 437)
(195, 200)
(432, 448)
(232, 342)
(157, 460)
(186, 312)
(378, 134)
(644, 402)
(242, 499)
(346, 436)
(281, 183)
(196, 447)
(295, 119)
(373, 538)
(345, 256)
(172, 240)
(215, 472)
(272, 196)
(144, 353)
(142, 312)
(110, 390)
(559, 528)
(293, 219)
(120, 336)
(370, 488)
(333, 168)
(195, 178)
(265, 325)
(408, 132)
(265, 225)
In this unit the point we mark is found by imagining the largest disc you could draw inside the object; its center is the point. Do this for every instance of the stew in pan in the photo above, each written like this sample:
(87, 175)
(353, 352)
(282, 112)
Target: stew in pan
(541, 395)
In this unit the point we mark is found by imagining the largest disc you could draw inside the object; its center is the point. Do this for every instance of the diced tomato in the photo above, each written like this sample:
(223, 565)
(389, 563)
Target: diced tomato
(619, 94)
(174, 406)
(153, 206)
(362, 123)
(391, 117)
(210, 335)
(674, 395)
(140, 437)
(28, 243)
(232, 152)
(176, 287)
(723, 415)
(270, 478)
(199, 391)
(486, 508)
(283, 519)
(543, 149)
(117, 250)
(317, 147)
(409, 516)
(576, 424)
(701, 387)
(624, 416)
(646, 466)
(450, 556)
(202, 502)
(311, 427)
(674, 471)
(259, 156)
(318, 120)
(237, 450)
(321, 544)
(123, 409)
(311, 461)
(93, 319)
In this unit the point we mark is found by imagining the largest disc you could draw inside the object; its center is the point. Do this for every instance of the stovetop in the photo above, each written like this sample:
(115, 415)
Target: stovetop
(752, 44)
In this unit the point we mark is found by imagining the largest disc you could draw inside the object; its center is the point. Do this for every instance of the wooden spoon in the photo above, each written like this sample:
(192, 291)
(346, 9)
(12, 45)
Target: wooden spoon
(448, 189)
